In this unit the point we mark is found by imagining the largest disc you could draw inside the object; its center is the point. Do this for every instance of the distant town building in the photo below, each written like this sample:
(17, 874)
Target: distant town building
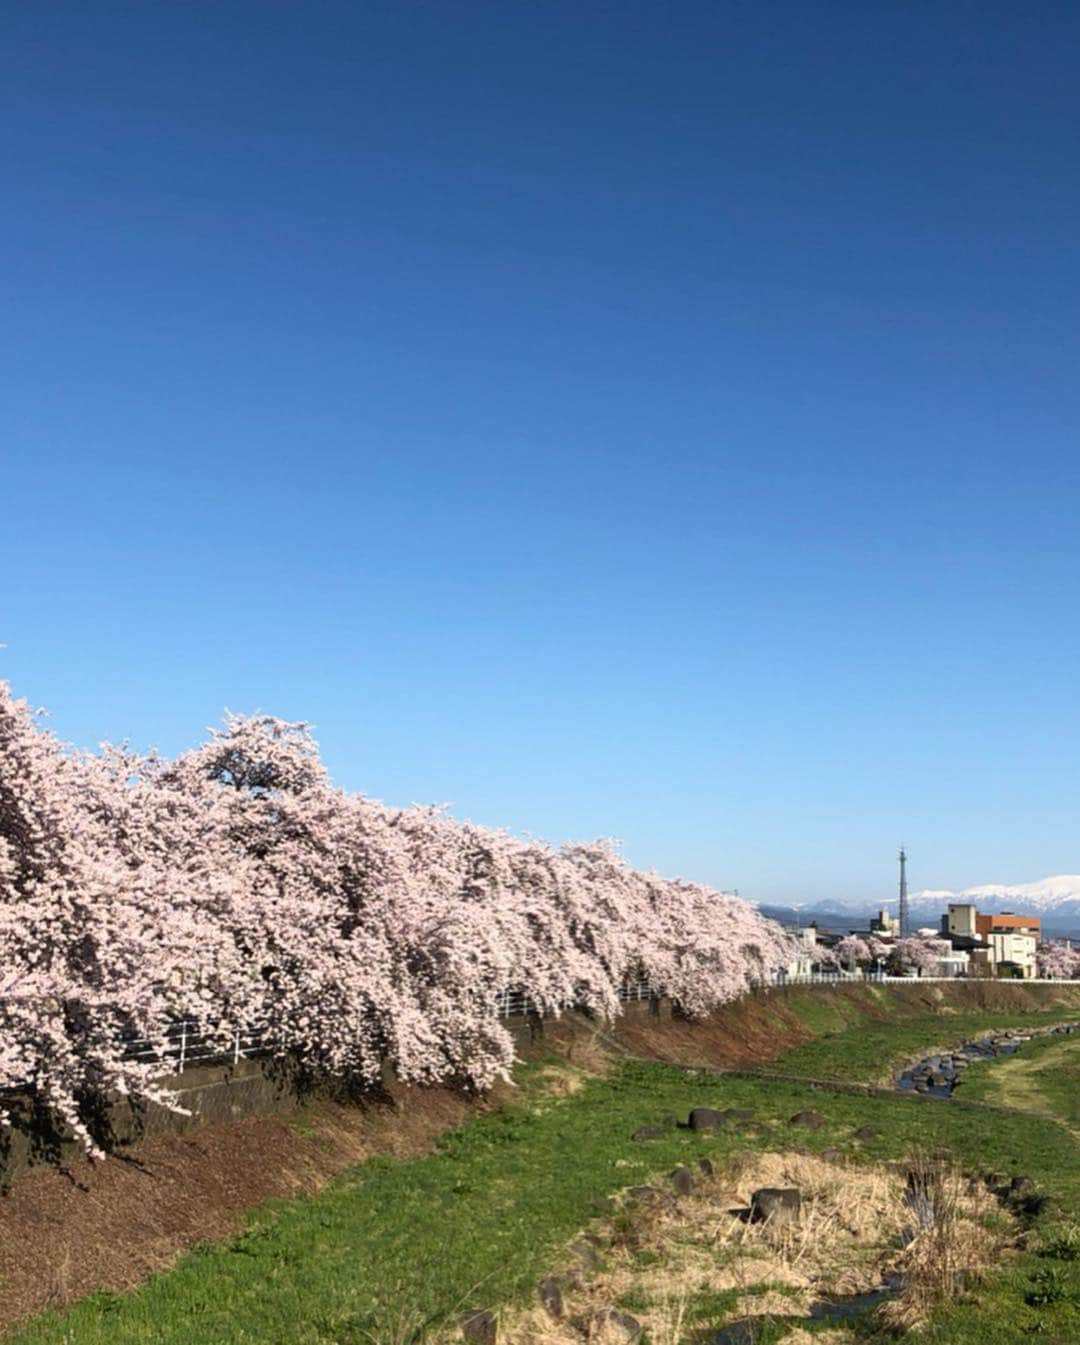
(994, 945)
(1013, 951)
(1007, 922)
(961, 919)
(884, 923)
(805, 939)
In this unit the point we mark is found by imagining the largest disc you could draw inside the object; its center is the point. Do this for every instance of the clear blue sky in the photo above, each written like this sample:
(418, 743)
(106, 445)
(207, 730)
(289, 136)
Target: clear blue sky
(652, 420)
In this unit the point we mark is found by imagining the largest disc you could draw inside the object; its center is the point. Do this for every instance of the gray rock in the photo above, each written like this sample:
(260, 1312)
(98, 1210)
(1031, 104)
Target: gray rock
(706, 1166)
(617, 1323)
(682, 1180)
(809, 1120)
(776, 1204)
(549, 1291)
(479, 1326)
(1021, 1183)
(707, 1118)
(642, 1193)
(867, 1132)
(586, 1256)
(649, 1133)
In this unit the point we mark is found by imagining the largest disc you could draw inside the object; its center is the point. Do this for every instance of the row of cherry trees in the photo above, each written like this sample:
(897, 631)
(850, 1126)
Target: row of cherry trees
(237, 886)
(913, 954)
(1053, 961)
(1057, 961)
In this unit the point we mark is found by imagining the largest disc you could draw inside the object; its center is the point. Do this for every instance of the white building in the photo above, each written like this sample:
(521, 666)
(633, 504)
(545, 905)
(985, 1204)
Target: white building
(1012, 941)
(955, 962)
(1015, 947)
(805, 940)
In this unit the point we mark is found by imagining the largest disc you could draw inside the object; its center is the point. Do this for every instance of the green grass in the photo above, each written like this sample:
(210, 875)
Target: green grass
(1044, 1076)
(397, 1243)
(868, 1050)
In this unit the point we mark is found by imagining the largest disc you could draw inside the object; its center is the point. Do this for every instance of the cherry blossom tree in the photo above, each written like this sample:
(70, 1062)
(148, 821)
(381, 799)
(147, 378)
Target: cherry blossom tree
(1057, 961)
(237, 886)
(918, 954)
(852, 951)
(824, 957)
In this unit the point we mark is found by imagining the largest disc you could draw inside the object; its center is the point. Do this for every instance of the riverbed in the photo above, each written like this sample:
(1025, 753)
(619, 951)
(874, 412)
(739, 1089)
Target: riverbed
(941, 1073)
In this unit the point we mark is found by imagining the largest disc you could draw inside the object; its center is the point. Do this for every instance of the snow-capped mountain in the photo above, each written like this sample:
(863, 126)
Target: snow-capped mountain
(1056, 900)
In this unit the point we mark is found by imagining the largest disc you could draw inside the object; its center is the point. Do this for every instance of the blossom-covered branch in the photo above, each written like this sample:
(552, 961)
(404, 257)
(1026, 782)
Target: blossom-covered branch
(236, 885)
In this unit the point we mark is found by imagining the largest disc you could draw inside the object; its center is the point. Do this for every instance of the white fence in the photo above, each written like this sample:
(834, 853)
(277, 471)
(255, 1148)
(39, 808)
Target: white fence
(859, 977)
(515, 1002)
(184, 1046)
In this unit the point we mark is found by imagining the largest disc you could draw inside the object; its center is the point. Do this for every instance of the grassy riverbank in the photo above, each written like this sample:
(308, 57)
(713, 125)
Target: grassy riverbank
(1044, 1077)
(397, 1246)
(869, 1051)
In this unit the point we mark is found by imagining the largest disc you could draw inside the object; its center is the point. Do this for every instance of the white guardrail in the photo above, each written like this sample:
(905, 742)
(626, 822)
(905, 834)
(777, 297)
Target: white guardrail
(184, 1047)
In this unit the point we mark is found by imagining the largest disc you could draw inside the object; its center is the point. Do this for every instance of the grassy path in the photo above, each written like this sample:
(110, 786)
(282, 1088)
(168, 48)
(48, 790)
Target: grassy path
(398, 1243)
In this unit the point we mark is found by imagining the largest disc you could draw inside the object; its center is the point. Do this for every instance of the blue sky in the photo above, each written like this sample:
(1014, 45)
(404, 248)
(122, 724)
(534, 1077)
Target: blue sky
(630, 419)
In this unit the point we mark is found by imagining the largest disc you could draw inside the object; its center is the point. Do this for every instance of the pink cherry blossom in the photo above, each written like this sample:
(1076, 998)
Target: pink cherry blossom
(237, 886)
(1057, 961)
(852, 949)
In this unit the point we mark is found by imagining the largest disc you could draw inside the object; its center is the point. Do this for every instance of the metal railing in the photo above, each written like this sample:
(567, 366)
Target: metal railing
(184, 1045)
(515, 1002)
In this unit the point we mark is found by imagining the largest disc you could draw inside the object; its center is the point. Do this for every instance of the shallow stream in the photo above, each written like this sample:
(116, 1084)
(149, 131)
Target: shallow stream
(939, 1074)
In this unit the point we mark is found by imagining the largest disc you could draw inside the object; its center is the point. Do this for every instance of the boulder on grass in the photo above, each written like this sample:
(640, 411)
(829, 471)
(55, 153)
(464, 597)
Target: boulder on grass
(775, 1204)
(682, 1180)
(642, 1193)
(648, 1133)
(809, 1120)
(586, 1256)
(478, 1326)
(615, 1325)
(549, 1291)
(867, 1132)
(707, 1118)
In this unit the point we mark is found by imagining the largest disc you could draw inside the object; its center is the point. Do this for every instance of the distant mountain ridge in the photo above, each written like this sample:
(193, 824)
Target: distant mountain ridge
(1055, 900)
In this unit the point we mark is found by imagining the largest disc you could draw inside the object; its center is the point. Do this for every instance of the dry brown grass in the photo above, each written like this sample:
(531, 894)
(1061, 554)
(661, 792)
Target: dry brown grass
(954, 1240)
(799, 1336)
(662, 1257)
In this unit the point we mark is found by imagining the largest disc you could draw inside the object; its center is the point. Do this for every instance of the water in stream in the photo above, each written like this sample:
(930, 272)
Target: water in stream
(937, 1075)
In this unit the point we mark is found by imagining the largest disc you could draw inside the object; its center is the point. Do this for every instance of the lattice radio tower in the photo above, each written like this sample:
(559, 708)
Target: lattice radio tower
(903, 914)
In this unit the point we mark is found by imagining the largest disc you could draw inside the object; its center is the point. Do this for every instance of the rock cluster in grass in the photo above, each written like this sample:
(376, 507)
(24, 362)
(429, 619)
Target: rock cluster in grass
(938, 1074)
